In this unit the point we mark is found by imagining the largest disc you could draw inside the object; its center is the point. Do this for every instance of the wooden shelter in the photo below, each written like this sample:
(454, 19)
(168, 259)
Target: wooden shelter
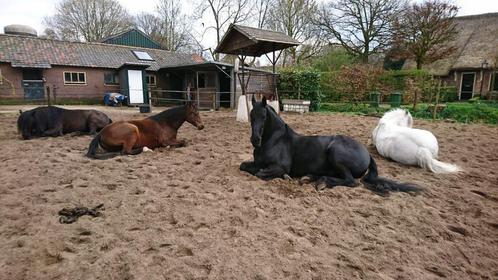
(246, 41)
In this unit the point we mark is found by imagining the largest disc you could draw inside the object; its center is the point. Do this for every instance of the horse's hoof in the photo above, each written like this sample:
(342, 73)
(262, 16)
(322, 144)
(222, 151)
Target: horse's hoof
(146, 149)
(305, 180)
(320, 186)
(287, 177)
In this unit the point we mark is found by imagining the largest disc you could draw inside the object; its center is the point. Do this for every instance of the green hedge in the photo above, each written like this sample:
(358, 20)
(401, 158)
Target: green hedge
(304, 84)
(477, 112)
(332, 82)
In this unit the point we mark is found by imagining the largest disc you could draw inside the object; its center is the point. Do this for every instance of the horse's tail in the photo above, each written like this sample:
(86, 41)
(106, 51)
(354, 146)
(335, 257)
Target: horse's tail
(94, 145)
(426, 161)
(382, 185)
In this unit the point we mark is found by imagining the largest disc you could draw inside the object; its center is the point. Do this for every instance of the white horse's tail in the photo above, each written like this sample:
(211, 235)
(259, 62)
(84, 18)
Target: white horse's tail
(426, 161)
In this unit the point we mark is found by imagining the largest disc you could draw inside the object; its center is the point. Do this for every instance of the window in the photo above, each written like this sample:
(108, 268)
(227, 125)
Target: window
(494, 82)
(206, 80)
(142, 55)
(151, 80)
(201, 80)
(74, 78)
(111, 78)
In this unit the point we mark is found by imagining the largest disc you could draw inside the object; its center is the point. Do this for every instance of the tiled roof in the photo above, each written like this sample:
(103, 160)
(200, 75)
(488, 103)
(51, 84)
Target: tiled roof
(25, 51)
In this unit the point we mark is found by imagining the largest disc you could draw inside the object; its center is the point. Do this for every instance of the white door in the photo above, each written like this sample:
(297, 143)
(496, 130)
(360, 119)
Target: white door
(135, 80)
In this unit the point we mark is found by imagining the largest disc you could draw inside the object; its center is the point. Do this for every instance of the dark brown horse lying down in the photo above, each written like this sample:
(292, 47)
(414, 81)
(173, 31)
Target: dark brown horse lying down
(130, 137)
(55, 121)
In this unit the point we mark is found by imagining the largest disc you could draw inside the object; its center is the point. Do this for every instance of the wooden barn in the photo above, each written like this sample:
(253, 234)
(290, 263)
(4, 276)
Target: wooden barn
(473, 67)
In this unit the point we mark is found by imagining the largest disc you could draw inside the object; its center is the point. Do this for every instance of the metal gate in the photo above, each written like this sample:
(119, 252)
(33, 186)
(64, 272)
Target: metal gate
(33, 89)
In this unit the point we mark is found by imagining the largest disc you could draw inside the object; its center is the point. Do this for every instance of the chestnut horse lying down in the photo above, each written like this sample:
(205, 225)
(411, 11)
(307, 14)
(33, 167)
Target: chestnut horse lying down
(55, 121)
(130, 137)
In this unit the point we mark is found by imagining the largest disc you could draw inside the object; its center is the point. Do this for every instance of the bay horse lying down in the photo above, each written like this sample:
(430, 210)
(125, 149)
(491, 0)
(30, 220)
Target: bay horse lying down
(54, 121)
(328, 161)
(130, 137)
(395, 138)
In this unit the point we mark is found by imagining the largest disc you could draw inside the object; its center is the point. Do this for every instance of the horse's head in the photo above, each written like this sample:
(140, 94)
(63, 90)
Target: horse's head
(193, 116)
(26, 125)
(259, 113)
(399, 117)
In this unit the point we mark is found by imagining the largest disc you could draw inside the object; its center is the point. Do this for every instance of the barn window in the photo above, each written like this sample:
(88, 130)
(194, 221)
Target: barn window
(494, 83)
(142, 55)
(207, 79)
(151, 80)
(74, 78)
(201, 80)
(111, 78)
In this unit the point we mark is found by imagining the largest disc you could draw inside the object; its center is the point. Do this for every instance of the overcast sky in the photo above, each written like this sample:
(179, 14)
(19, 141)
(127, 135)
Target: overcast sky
(32, 12)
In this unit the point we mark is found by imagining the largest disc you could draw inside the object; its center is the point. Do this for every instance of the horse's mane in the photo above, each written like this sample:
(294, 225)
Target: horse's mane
(170, 115)
(397, 116)
(274, 114)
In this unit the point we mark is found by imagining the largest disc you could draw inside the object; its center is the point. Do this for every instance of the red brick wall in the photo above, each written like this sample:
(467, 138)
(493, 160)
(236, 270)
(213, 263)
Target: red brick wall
(11, 85)
(94, 87)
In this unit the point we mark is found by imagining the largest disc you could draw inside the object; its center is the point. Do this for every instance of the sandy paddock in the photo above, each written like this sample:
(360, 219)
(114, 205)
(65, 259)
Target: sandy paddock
(189, 213)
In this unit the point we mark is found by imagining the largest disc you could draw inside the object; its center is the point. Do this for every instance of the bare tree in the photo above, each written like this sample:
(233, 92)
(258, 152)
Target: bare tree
(49, 33)
(261, 10)
(175, 25)
(88, 20)
(295, 18)
(168, 26)
(148, 23)
(223, 13)
(362, 27)
(424, 30)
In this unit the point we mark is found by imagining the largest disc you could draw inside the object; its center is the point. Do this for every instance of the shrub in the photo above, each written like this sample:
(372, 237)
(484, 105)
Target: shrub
(301, 84)
(352, 83)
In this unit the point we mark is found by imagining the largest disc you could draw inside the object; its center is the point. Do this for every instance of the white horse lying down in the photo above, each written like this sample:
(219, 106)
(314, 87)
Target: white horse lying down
(395, 138)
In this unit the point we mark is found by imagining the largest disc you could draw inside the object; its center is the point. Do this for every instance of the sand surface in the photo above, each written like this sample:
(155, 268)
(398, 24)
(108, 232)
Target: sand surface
(189, 213)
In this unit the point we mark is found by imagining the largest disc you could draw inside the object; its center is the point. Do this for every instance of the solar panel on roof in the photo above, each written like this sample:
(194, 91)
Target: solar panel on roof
(142, 55)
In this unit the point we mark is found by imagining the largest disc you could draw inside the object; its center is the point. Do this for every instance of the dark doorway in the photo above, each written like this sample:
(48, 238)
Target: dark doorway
(225, 93)
(467, 88)
(32, 82)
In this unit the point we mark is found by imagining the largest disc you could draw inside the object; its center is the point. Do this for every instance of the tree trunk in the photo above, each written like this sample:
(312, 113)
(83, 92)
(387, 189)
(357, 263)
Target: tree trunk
(419, 64)
(217, 55)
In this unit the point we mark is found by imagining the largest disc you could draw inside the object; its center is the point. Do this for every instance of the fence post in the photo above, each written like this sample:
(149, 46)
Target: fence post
(198, 101)
(54, 92)
(434, 111)
(48, 95)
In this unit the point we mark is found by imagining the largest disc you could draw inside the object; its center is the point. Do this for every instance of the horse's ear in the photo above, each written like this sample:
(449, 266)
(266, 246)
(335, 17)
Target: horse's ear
(264, 100)
(253, 100)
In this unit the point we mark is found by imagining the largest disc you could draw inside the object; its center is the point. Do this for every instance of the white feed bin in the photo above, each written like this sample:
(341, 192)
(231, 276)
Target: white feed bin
(295, 105)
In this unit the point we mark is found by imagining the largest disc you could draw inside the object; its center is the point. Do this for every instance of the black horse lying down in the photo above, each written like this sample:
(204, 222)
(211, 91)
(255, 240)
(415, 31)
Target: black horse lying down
(327, 160)
(55, 121)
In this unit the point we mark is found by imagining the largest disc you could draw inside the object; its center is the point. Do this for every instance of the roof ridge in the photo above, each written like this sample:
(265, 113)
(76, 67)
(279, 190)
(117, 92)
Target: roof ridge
(476, 16)
(80, 42)
(261, 29)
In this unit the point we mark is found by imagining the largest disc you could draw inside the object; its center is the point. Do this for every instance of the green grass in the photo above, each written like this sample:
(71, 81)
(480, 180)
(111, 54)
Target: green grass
(465, 112)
